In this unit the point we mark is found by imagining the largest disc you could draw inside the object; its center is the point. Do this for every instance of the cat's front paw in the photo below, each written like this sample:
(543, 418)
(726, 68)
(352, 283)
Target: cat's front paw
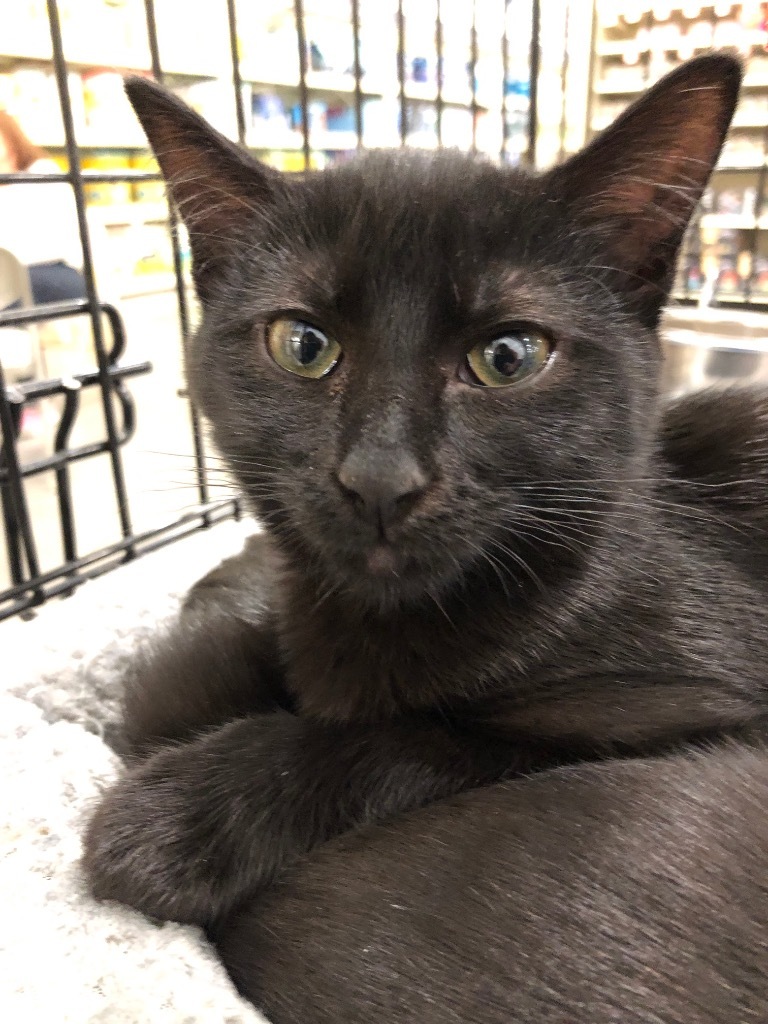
(149, 845)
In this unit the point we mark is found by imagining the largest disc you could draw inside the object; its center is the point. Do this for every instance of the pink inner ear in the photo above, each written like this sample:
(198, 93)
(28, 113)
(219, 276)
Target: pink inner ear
(213, 182)
(668, 171)
(208, 198)
(654, 166)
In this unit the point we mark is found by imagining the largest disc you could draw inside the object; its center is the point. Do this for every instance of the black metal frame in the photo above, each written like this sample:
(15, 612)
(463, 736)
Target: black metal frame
(30, 586)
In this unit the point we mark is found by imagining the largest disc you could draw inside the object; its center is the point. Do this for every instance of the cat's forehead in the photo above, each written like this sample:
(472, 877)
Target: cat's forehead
(401, 197)
(446, 226)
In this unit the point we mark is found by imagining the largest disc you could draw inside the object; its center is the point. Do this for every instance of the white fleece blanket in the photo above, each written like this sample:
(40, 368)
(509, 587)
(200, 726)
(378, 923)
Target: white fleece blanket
(64, 957)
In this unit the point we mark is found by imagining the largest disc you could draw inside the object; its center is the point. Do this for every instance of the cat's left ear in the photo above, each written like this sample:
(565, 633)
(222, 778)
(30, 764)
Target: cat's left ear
(637, 184)
(218, 188)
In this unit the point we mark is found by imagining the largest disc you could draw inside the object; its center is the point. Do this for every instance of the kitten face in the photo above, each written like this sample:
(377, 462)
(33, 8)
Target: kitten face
(351, 318)
(408, 268)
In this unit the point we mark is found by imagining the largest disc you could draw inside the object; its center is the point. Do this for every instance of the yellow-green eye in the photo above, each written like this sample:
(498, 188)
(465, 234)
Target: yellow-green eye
(510, 358)
(301, 348)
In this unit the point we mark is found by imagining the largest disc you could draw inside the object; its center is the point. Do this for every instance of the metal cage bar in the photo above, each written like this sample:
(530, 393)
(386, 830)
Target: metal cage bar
(401, 72)
(301, 39)
(357, 71)
(473, 75)
(237, 80)
(533, 110)
(439, 73)
(178, 270)
(73, 156)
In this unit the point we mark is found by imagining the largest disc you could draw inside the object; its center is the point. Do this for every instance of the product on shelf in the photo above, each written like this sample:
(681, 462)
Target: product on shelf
(340, 117)
(268, 108)
(758, 285)
(693, 277)
(729, 284)
(737, 201)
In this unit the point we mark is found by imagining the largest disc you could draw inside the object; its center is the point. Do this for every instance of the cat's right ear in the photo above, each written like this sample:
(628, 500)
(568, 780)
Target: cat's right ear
(216, 186)
(638, 183)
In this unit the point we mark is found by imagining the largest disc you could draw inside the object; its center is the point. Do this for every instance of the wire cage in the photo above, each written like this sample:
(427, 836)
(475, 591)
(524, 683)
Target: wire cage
(112, 374)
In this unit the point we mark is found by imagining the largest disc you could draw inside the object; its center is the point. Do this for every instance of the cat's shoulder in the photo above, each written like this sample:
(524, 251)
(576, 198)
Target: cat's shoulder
(716, 440)
(718, 434)
(242, 583)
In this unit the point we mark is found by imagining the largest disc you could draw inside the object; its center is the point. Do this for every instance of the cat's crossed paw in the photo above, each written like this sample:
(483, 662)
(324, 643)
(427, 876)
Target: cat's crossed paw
(151, 846)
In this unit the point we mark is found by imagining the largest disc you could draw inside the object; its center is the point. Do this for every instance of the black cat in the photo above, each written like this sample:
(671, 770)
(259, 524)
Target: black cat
(491, 552)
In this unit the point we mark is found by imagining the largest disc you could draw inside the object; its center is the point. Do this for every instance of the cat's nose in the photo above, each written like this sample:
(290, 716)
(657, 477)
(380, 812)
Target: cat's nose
(383, 491)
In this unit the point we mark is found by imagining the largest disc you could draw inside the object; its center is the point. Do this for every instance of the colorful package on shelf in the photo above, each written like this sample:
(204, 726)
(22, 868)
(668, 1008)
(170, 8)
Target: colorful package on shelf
(736, 201)
(317, 111)
(692, 277)
(340, 118)
(517, 92)
(759, 282)
(268, 107)
(419, 70)
(728, 283)
(103, 193)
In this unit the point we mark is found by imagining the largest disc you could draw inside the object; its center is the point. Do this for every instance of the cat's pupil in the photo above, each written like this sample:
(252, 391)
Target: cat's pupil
(506, 355)
(306, 344)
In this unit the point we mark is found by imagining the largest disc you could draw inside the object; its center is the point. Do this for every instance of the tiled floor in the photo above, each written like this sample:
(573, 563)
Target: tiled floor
(158, 462)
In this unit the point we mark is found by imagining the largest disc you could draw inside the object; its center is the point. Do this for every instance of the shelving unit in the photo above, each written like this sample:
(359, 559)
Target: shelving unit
(725, 257)
(105, 39)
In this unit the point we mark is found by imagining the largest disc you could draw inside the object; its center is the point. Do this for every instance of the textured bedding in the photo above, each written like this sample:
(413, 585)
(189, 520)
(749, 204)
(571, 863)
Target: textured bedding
(64, 957)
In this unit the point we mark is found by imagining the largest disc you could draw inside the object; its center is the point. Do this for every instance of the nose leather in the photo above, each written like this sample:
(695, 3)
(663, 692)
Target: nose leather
(383, 489)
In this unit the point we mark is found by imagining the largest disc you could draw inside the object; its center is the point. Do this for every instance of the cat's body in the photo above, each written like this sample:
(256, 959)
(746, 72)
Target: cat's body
(629, 892)
(491, 552)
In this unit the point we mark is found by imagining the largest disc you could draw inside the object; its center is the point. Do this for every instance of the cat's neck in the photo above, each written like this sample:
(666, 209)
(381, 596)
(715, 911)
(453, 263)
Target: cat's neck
(496, 628)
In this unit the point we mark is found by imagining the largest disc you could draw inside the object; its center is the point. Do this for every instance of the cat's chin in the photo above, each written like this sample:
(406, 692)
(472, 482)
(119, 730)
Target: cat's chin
(383, 561)
(384, 577)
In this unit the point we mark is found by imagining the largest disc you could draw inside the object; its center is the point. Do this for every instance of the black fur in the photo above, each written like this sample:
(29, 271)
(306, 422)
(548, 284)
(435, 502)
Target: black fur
(579, 574)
